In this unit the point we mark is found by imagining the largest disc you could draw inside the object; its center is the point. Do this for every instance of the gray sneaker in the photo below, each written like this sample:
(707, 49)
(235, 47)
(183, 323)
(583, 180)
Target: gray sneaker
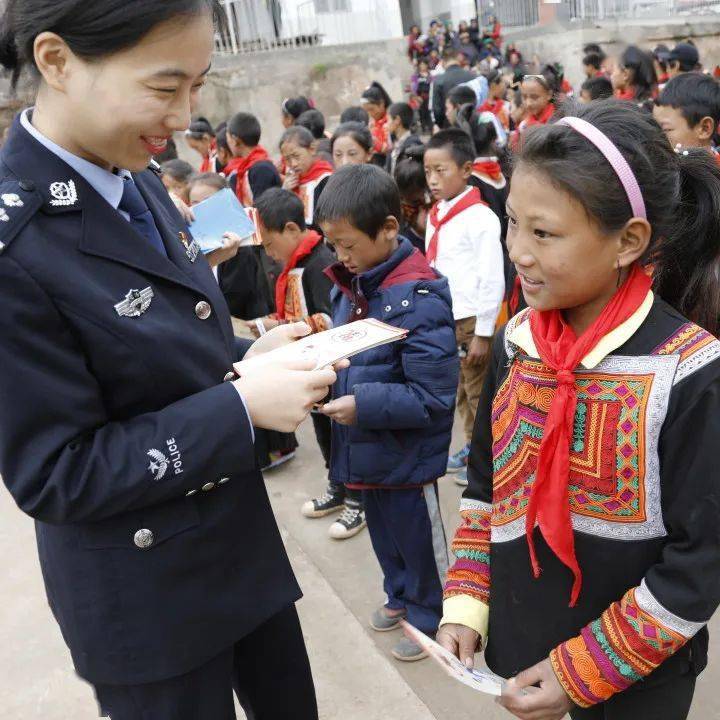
(408, 651)
(383, 623)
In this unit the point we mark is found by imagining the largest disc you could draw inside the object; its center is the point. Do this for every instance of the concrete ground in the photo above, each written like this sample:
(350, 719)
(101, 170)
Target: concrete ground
(355, 676)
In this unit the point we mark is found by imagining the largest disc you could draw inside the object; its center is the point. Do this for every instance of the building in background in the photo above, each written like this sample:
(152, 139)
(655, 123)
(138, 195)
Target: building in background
(267, 24)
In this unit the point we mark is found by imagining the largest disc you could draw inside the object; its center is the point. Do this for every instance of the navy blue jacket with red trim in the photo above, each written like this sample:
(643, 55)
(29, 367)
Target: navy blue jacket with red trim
(405, 392)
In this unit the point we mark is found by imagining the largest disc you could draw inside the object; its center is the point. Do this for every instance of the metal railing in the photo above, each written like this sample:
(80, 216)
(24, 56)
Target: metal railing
(610, 9)
(267, 25)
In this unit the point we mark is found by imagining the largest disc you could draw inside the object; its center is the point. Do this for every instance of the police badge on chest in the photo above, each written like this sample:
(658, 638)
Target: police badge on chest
(192, 249)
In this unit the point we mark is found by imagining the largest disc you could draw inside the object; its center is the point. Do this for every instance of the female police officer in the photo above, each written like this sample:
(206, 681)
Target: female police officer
(161, 559)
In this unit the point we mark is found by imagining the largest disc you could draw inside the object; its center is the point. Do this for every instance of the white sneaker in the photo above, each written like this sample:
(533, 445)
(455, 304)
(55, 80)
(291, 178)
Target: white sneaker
(350, 523)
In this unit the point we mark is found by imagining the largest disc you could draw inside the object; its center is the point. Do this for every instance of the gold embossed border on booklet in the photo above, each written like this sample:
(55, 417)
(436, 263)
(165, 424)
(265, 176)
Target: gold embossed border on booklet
(480, 680)
(331, 346)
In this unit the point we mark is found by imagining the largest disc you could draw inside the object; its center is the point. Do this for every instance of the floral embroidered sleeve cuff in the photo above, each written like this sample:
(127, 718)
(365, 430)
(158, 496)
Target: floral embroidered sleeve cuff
(630, 640)
(466, 610)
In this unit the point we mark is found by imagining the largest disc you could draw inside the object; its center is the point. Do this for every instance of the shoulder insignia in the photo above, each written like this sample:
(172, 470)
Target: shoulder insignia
(155, 167)
(19, 201)
(695, 346)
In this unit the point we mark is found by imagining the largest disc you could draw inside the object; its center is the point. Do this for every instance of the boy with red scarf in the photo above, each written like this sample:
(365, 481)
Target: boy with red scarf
(251, 168)
(302, 293)
(306, 172)
(463, 243)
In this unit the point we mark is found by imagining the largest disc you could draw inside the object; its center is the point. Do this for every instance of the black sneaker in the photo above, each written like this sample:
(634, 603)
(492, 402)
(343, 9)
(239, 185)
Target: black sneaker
(350, 523)
(329, 502)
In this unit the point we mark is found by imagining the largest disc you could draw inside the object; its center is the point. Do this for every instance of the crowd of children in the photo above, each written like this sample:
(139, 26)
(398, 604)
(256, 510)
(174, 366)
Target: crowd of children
(588, 419)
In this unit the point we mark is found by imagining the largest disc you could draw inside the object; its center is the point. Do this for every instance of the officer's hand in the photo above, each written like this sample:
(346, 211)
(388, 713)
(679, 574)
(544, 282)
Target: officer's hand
(461, 641)
(277, 337)
(279, 396)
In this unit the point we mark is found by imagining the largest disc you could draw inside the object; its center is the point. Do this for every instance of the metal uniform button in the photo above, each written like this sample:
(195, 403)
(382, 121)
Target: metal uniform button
(144, 539)
(229, 376)
(208, 486)
(27, 185)
(388, 308)
(405, 303)
(203, 310)
(222, 481)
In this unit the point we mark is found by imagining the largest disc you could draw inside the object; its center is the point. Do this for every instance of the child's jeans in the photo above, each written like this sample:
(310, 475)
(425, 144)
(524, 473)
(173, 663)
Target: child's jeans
(408, 537)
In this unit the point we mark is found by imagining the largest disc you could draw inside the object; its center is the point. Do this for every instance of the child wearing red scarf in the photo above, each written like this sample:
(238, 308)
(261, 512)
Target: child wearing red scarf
(376, 102)
(589, 540)
(302, 291)
(251, 165)
(306, 173)
(496, 102)
(200, 136)
(463, 241)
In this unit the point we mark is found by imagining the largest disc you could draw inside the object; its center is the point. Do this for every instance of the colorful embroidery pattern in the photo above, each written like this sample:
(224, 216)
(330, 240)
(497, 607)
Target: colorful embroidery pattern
(470, 575)
(607, 461)
(296, 305)
(625, 644)
(695, 346)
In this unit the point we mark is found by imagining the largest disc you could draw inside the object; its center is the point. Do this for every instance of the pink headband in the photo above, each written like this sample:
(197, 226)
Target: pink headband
(619, 164)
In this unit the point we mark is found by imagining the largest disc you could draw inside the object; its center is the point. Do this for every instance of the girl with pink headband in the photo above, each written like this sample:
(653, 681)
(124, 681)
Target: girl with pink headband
(588, 556)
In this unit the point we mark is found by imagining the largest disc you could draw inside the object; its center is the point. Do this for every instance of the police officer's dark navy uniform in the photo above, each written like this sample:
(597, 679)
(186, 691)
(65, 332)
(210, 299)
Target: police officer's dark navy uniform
(157, 543)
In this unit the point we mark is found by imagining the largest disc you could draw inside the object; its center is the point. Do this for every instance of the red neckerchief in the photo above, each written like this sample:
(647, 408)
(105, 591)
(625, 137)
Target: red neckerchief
(627, 94)
(380, 134)
(256, 155)
(489, 167)
(562, 351)
(207, 163)
(492, 106)
(305, 247)
(316, 171)
(472, 197)
(543, 118)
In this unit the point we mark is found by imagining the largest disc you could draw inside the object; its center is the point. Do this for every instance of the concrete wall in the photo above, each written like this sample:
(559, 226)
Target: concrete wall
(334, 77)
(564, 42)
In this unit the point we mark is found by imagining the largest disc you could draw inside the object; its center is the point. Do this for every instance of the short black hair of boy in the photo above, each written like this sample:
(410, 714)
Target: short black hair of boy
(404, 112)
(277, 207)
(695, 95)
(245, 127)
(363, 195)
(355, 114)
(593, 59)
(599, 88)
(457, 141)
(462, 95)
(177, 169)
(314, 121)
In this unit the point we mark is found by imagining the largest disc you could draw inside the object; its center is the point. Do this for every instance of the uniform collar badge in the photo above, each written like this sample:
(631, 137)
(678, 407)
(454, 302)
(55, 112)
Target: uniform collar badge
(64, 194)
(192, 249)
(136, 303)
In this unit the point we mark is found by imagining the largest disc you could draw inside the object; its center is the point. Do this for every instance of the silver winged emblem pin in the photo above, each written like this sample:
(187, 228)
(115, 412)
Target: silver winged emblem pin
(136, 302)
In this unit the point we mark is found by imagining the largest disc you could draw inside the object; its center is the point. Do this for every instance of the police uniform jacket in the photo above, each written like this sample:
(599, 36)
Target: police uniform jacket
(156, 539)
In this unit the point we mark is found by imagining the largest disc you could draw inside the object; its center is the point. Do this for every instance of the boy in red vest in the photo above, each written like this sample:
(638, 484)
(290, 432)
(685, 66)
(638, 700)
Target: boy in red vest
(463, 243)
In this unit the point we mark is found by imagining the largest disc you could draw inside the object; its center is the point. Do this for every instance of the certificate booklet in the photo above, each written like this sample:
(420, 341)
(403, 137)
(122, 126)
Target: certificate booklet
(480, 680)
(221, 213)
(327, 348)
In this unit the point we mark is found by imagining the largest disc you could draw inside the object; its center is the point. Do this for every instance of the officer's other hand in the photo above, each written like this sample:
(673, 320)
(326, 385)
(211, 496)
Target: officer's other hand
(277, 337)
(184, 209)
(279, 396)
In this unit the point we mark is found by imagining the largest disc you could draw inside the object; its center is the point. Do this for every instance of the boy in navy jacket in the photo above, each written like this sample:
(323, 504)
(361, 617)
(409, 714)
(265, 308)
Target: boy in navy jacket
(393, 408)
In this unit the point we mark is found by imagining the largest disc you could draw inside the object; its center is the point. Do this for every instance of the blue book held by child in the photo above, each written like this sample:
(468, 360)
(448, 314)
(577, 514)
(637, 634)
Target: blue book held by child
(219, 214)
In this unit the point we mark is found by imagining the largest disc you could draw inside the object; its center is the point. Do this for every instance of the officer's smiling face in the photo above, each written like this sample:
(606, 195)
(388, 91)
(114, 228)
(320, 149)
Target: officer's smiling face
(120, 110)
